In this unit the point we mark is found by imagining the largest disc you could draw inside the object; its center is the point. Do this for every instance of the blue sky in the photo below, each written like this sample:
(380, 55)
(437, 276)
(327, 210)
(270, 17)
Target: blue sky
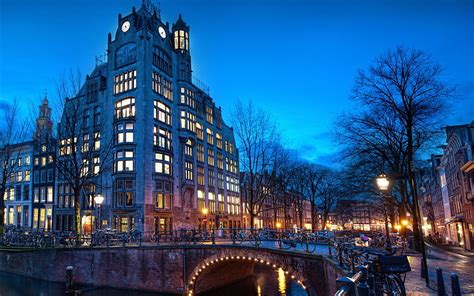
(295, 58)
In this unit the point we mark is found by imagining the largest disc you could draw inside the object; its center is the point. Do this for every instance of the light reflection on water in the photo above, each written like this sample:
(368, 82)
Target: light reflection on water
(281, 282)
(266, 281)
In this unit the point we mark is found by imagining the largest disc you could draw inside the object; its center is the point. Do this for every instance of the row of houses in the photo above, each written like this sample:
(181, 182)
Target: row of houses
(447, 183)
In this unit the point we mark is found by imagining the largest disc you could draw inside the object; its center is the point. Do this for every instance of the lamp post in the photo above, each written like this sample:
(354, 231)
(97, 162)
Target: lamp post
(204, 212)
(383, 183)
(99, 199)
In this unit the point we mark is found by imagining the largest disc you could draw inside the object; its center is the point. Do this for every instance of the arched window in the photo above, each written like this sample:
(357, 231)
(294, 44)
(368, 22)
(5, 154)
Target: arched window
(125, 108)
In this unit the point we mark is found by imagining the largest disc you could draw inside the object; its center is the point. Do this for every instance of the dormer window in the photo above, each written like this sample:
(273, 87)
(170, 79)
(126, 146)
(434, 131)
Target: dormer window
(181, 40)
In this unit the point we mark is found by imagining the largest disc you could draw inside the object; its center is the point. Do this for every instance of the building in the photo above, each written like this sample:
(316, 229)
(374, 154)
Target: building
(360, 215)
(29, 186)
(160, 152)
(458, 161)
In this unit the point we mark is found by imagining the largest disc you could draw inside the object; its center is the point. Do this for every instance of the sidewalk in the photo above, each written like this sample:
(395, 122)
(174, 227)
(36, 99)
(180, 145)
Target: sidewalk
(452, 249)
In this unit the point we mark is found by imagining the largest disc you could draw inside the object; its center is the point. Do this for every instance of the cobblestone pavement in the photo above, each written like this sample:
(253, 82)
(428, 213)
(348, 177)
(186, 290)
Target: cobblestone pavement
(448, 262)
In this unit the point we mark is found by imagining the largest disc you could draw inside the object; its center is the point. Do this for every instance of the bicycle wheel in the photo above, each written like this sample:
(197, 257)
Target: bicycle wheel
(395, 286)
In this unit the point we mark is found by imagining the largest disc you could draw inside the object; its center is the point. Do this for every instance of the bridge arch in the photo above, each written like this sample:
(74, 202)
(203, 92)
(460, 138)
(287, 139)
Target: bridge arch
(249, 258)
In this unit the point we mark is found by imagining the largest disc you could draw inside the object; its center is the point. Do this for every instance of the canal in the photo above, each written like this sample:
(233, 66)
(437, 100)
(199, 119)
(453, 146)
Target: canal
(265, 281)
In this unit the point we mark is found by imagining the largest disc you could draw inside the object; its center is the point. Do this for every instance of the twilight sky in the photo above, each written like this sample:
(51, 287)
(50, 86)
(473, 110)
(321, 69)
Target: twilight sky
(295, 58)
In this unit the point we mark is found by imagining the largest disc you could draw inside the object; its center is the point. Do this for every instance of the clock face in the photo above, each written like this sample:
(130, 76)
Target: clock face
(125, 26)
(162, 32)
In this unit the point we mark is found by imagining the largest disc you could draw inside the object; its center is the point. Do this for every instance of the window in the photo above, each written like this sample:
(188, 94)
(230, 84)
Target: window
(188, 148)
(210, 156)
(221, 205)
(85, 118)
(124, 161)
(42, 194)
(26, 192)
(181, 40)
(210, 137)
(157, 83)
(27, 160)
(50, 175)
(162, 138)
(85, 143)
(125, 108)
(124, 192)
(199, 131)
(126, 54)
(92, 91)
(212, 202)
(189, 171)
(163, 163)
(210, 178)
(200, 152)
(200, 175)
(96, 165)
(19, 176)
(162, 60)
(163, 195)
(201, 200)
(27, 176)
(162, 112)
(97, 116)
(229, 147)
(168, 90)
(36, 194)
(187, 97)
(220, 180)
(220, 161)
(125, 81)
(50, 194)
(96, 141)
(188, 121)
(209, 117)
(219, 140)
(124, 132)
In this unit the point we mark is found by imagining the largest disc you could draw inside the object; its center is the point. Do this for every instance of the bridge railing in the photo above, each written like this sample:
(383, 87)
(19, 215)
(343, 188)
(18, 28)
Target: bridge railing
(282, 239)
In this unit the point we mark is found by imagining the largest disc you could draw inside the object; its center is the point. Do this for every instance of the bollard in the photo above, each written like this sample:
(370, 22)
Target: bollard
(69, 280)
(362, 287)
(234, 236)
(213, 238)
(455, 288)
(440, 282)
(422, 269)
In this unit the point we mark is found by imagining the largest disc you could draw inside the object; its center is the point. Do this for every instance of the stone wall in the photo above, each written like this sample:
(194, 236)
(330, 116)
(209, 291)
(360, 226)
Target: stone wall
(169, 269)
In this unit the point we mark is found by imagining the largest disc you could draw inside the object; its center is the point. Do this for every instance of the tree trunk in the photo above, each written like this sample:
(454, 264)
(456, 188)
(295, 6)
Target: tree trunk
(324, 221)
(77, 212)
(313, 217)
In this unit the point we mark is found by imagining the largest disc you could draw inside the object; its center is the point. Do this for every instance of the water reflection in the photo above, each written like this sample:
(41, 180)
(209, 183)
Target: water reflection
(266, 281)
(14, 285)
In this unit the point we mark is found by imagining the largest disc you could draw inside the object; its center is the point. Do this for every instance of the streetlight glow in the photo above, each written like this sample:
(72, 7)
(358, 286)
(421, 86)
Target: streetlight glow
(205, 211)
(98, 199)
(404, 222)
(382, 182)
(278, 225)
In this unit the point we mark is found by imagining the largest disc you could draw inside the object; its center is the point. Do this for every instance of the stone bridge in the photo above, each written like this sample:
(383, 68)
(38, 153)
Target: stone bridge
(185, 270)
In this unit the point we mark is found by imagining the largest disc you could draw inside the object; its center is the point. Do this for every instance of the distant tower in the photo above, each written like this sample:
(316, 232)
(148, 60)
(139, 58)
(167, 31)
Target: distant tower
(44, 125)
(181, 45)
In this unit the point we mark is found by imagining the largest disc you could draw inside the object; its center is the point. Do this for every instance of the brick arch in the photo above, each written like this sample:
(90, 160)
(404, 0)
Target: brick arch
(252, 257)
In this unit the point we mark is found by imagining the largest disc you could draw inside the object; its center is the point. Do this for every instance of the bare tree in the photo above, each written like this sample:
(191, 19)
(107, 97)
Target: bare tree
(407, 85)
(257, 135)
(329, 190)
(313, 179)
(12, 131)
(82, 153)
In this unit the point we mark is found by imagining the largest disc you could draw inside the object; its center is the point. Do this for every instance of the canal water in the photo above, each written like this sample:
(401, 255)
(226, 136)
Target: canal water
(266, 281)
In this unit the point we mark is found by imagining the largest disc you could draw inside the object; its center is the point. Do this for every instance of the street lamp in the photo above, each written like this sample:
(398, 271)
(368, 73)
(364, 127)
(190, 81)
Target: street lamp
(204, 212)
(382, 182)
(99, 199)
(278, 225)
(404, 222)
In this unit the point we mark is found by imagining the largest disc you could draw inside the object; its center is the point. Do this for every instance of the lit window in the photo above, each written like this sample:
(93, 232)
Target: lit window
(163, 195)
(219, 140)
(200, 152)
(162, 138)
(181, 40)
(124, 132)
(210, 156)
(125, 108)
(188, 121)
(210, 137)
(209, 116)
(125, 81)
(162, 112)
(199, 131)
(188, 148)
(163, 163)
(189, 171)
(124, 161)
(157, 83)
